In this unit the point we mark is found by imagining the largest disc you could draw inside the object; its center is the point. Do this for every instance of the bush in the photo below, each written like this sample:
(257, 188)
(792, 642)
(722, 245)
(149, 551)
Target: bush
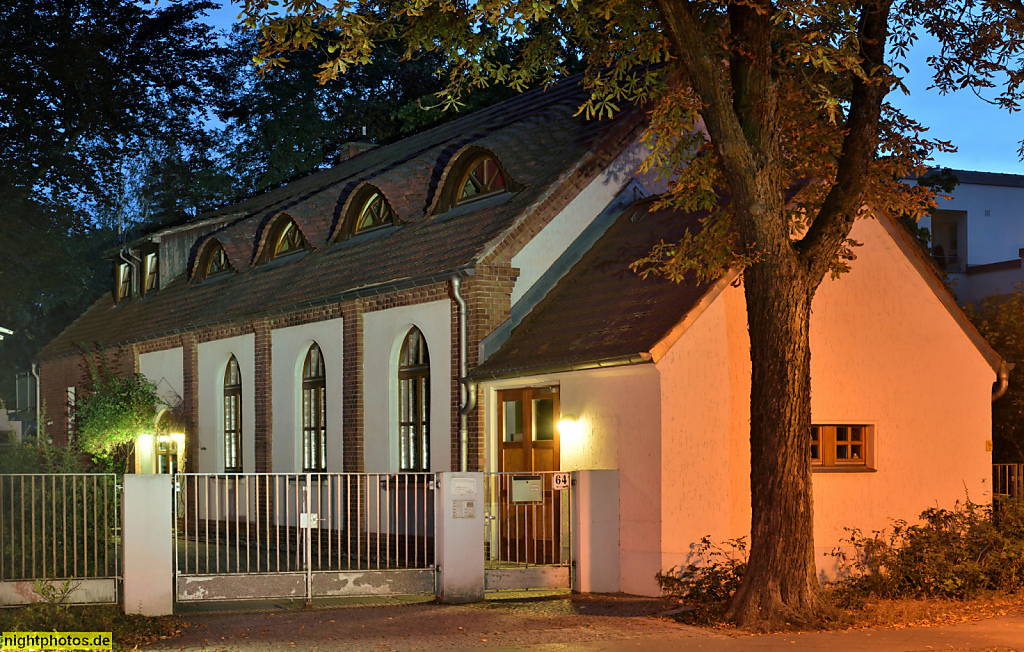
(708, 582)
(954, 553)
(53, 614)
(111, 410)
(30, 457)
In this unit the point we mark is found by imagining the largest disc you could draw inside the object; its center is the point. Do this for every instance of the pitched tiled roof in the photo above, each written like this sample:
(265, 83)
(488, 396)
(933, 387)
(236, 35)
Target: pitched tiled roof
(601, 311)
(538, 138)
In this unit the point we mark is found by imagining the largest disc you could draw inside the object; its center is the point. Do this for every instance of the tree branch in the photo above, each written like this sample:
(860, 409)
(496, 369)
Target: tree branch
(835, 218)
(702, 70)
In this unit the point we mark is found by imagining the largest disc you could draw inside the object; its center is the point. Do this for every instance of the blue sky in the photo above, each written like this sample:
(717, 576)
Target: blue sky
(987, 137)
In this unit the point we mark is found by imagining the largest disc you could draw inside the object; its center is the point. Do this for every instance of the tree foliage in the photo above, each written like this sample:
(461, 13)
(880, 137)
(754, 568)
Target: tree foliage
(112, 409)
(750, 98)
(89, 88)
(1000, 318)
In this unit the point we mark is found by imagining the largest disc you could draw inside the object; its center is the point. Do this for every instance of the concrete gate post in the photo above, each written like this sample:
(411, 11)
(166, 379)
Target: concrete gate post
(460, 537)
(146, 523)
(595, 539)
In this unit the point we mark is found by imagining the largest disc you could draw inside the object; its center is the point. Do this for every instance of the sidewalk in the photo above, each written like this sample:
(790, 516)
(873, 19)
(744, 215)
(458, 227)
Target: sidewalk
(553, 623)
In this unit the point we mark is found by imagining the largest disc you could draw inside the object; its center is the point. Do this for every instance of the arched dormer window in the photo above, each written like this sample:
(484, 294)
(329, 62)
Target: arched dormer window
(368, 210)
(374, 214)
(285, 239)
(314, 412)
(414, 403)
(473, 175)
(213, 262)
(482, 178)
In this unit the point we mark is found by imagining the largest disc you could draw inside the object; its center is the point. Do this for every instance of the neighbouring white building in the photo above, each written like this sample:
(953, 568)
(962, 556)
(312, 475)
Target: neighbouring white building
(978, 234)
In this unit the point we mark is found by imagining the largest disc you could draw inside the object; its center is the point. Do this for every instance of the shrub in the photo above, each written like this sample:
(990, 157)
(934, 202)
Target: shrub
(129, 630)
(953, 553)
(112, 410)
(709, 580)
(31, 457)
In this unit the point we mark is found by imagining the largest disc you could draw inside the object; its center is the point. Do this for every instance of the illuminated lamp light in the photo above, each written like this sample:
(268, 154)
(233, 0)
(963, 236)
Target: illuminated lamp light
(569, 427)
(145, 440)
(163, 439)
(179, 438)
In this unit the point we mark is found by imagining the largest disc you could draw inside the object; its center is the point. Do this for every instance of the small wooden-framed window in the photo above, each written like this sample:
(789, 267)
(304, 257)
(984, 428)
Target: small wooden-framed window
(414, 403)
(483, 178)
(374, 214)
(151, 272)
(314, 412)
(232, 418)
(124, 281)
(287, 240)
(842, 445)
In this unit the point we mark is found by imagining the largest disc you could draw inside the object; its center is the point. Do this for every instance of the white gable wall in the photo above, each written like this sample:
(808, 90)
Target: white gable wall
(705, 394)
(544, 249)
(885, 352)
(915, 374)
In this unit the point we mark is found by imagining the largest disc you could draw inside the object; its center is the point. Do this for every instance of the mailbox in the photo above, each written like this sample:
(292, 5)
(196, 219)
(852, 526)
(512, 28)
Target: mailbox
(527, 489)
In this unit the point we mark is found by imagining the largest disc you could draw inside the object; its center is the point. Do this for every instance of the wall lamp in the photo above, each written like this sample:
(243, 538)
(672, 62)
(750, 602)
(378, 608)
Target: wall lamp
(569, 426)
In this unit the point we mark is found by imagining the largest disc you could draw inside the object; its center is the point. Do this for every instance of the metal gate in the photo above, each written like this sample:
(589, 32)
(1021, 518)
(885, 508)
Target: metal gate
(303, 535)
(63, 529)
(528, 535)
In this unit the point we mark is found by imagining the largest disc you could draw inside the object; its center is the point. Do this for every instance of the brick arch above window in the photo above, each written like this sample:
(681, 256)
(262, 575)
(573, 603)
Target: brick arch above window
(280, 237)
(366, 209)
(472, 173)
(213, 260)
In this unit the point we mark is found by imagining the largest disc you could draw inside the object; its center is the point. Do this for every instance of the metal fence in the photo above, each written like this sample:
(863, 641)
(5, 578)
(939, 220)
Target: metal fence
(1008, 480)
(528, 518)
(288, 522)
(59, 526)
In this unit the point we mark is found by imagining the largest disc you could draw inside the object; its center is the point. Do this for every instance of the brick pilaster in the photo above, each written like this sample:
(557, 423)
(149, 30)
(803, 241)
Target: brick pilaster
(352, 388)
(263, 431)
(190, 398)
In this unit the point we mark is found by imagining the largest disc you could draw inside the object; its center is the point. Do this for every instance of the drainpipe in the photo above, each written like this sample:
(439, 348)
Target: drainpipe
(35, 374)
(467, 390)
(1003, 376)
(135, 270)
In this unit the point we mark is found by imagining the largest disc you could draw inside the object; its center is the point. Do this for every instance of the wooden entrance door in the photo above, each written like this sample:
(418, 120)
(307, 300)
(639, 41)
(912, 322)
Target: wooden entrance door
(528, 445)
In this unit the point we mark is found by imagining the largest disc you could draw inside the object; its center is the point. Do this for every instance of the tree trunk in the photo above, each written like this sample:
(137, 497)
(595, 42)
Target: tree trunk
(780, 585)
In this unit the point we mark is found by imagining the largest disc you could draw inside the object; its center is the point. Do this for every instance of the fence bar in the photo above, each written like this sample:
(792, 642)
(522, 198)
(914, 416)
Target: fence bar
(522, 534)
(37, 542)
(361, 522)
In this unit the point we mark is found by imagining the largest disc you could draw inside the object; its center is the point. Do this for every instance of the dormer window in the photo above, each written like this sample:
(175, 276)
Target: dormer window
(124, 281)
(367, 209)
(151, 273)
(286, 240)
(218, 262)
(375, 214)
(472, 175)
(214, 261)
(483, 178)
